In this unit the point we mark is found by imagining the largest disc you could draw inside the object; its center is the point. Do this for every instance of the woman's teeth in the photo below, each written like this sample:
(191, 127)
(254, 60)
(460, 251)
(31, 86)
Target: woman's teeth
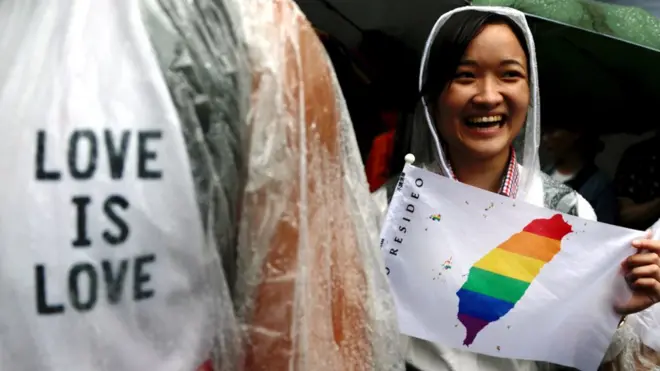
(486, 121)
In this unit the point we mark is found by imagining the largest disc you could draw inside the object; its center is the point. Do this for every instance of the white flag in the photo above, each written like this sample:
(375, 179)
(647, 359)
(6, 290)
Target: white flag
(478, 271)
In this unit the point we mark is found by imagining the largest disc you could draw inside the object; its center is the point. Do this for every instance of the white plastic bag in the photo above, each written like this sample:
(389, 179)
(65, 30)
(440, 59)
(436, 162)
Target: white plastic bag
(105, 263)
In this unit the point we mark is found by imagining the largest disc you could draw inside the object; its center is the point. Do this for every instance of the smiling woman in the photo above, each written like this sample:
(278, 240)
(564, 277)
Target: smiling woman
(479, 124)
(478, 90)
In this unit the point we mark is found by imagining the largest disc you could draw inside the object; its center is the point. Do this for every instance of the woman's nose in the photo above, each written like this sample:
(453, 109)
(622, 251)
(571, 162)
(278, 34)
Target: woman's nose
(488, 94)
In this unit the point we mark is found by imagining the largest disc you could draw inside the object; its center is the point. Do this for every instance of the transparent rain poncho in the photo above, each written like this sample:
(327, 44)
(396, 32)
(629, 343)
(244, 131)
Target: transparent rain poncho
(311, 289)
(167, 164)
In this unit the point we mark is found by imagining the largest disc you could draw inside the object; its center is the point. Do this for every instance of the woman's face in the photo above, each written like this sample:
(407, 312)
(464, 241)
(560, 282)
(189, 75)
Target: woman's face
(484, 107)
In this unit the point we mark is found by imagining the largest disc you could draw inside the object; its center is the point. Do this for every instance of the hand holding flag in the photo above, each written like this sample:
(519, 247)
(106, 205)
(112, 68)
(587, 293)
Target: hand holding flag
(642, 272)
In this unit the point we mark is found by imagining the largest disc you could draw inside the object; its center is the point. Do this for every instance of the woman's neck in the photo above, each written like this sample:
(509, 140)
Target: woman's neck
(485, 174)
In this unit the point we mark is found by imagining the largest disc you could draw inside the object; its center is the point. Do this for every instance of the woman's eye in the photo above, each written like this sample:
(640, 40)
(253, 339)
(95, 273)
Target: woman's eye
(512, 74)
(464, 75)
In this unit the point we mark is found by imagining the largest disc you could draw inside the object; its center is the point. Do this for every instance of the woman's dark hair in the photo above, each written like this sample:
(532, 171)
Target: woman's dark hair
(446, 52)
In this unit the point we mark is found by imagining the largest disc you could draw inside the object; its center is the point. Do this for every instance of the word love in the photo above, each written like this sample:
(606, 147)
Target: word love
(85, 281)
(83, 147)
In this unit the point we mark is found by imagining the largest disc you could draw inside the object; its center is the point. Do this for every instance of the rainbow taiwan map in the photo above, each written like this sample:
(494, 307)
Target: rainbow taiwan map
(499, 280)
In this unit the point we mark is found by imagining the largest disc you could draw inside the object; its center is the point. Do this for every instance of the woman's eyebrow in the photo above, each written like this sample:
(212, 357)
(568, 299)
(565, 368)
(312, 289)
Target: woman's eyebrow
(505, 62)
(510, 62)
(468, 62)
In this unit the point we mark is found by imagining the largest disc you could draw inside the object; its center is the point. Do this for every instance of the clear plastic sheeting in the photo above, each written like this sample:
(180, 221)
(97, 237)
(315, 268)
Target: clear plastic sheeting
(203, 132)
(629, 352)
(201, 50)
(311, 291)
(264, 120)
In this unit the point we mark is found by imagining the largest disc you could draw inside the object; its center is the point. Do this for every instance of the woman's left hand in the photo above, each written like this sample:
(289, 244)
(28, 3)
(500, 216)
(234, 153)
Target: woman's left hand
(642, 272)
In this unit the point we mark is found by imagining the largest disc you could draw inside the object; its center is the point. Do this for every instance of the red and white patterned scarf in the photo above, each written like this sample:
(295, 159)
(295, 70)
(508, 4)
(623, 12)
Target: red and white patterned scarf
(509, 185)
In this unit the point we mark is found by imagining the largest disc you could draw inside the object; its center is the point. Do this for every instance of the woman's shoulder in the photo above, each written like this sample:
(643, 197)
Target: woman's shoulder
(560, 197)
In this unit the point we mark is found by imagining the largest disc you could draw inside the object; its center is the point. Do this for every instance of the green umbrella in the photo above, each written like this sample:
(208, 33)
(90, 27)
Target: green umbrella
(599, 64)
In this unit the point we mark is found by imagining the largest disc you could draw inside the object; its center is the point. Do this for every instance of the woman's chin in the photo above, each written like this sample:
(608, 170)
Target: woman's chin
(487, 149)
(481, 145)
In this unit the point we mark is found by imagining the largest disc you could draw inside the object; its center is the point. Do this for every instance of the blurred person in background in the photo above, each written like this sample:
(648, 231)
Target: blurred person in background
(573, 149)
(637, 184)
